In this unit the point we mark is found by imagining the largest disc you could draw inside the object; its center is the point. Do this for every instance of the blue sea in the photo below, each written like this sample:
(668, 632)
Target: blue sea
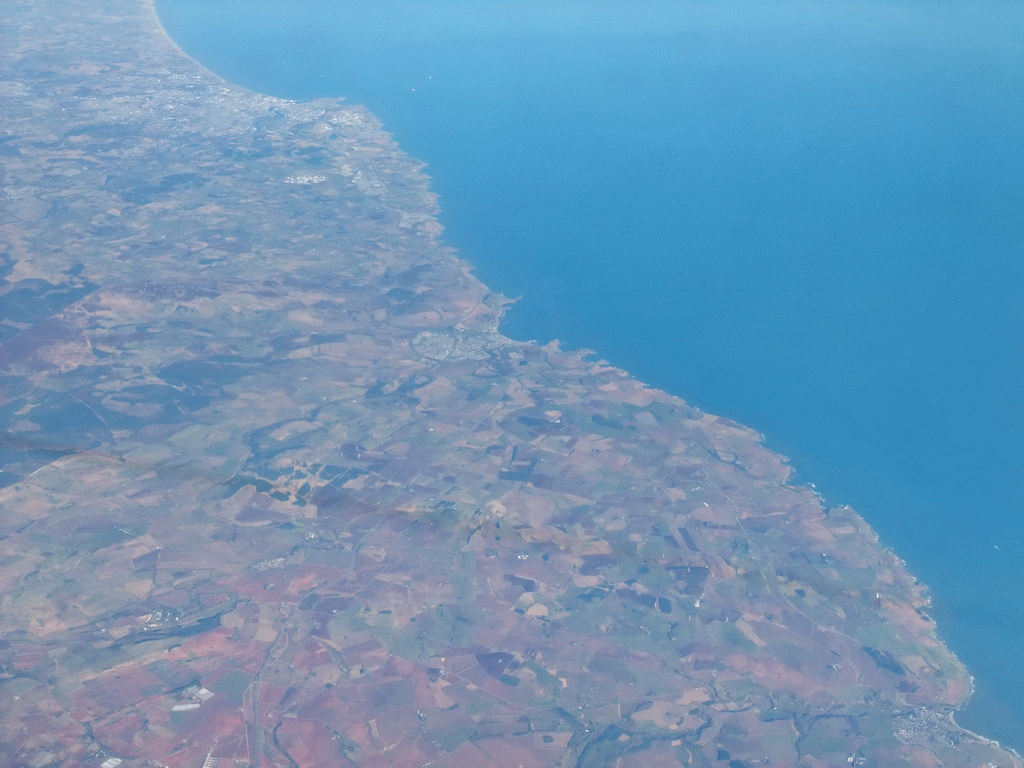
(806, 216)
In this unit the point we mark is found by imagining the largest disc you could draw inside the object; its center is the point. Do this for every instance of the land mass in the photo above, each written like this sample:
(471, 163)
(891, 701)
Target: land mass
(276, 491)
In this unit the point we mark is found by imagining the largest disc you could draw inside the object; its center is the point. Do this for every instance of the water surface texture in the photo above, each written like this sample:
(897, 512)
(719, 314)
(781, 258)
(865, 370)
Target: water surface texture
(804, 216)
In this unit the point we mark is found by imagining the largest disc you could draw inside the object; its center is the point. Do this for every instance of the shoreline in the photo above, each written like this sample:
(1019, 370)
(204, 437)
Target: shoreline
(327, 329)
(924, 601)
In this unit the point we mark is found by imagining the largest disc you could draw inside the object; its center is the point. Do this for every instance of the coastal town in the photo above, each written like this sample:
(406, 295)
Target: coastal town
(276, 492)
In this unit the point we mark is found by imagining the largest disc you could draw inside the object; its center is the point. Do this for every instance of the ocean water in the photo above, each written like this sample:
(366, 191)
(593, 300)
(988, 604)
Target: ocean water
(806, 216)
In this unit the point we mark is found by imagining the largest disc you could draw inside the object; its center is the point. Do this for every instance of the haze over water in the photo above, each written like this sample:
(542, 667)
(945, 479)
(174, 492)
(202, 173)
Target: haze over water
(803, 216)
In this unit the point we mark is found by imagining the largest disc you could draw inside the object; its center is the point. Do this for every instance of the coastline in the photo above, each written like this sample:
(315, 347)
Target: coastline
(923, 601)
(470, 312)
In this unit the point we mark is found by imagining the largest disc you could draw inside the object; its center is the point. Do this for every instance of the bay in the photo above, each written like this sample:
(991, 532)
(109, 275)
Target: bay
(805, 216)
